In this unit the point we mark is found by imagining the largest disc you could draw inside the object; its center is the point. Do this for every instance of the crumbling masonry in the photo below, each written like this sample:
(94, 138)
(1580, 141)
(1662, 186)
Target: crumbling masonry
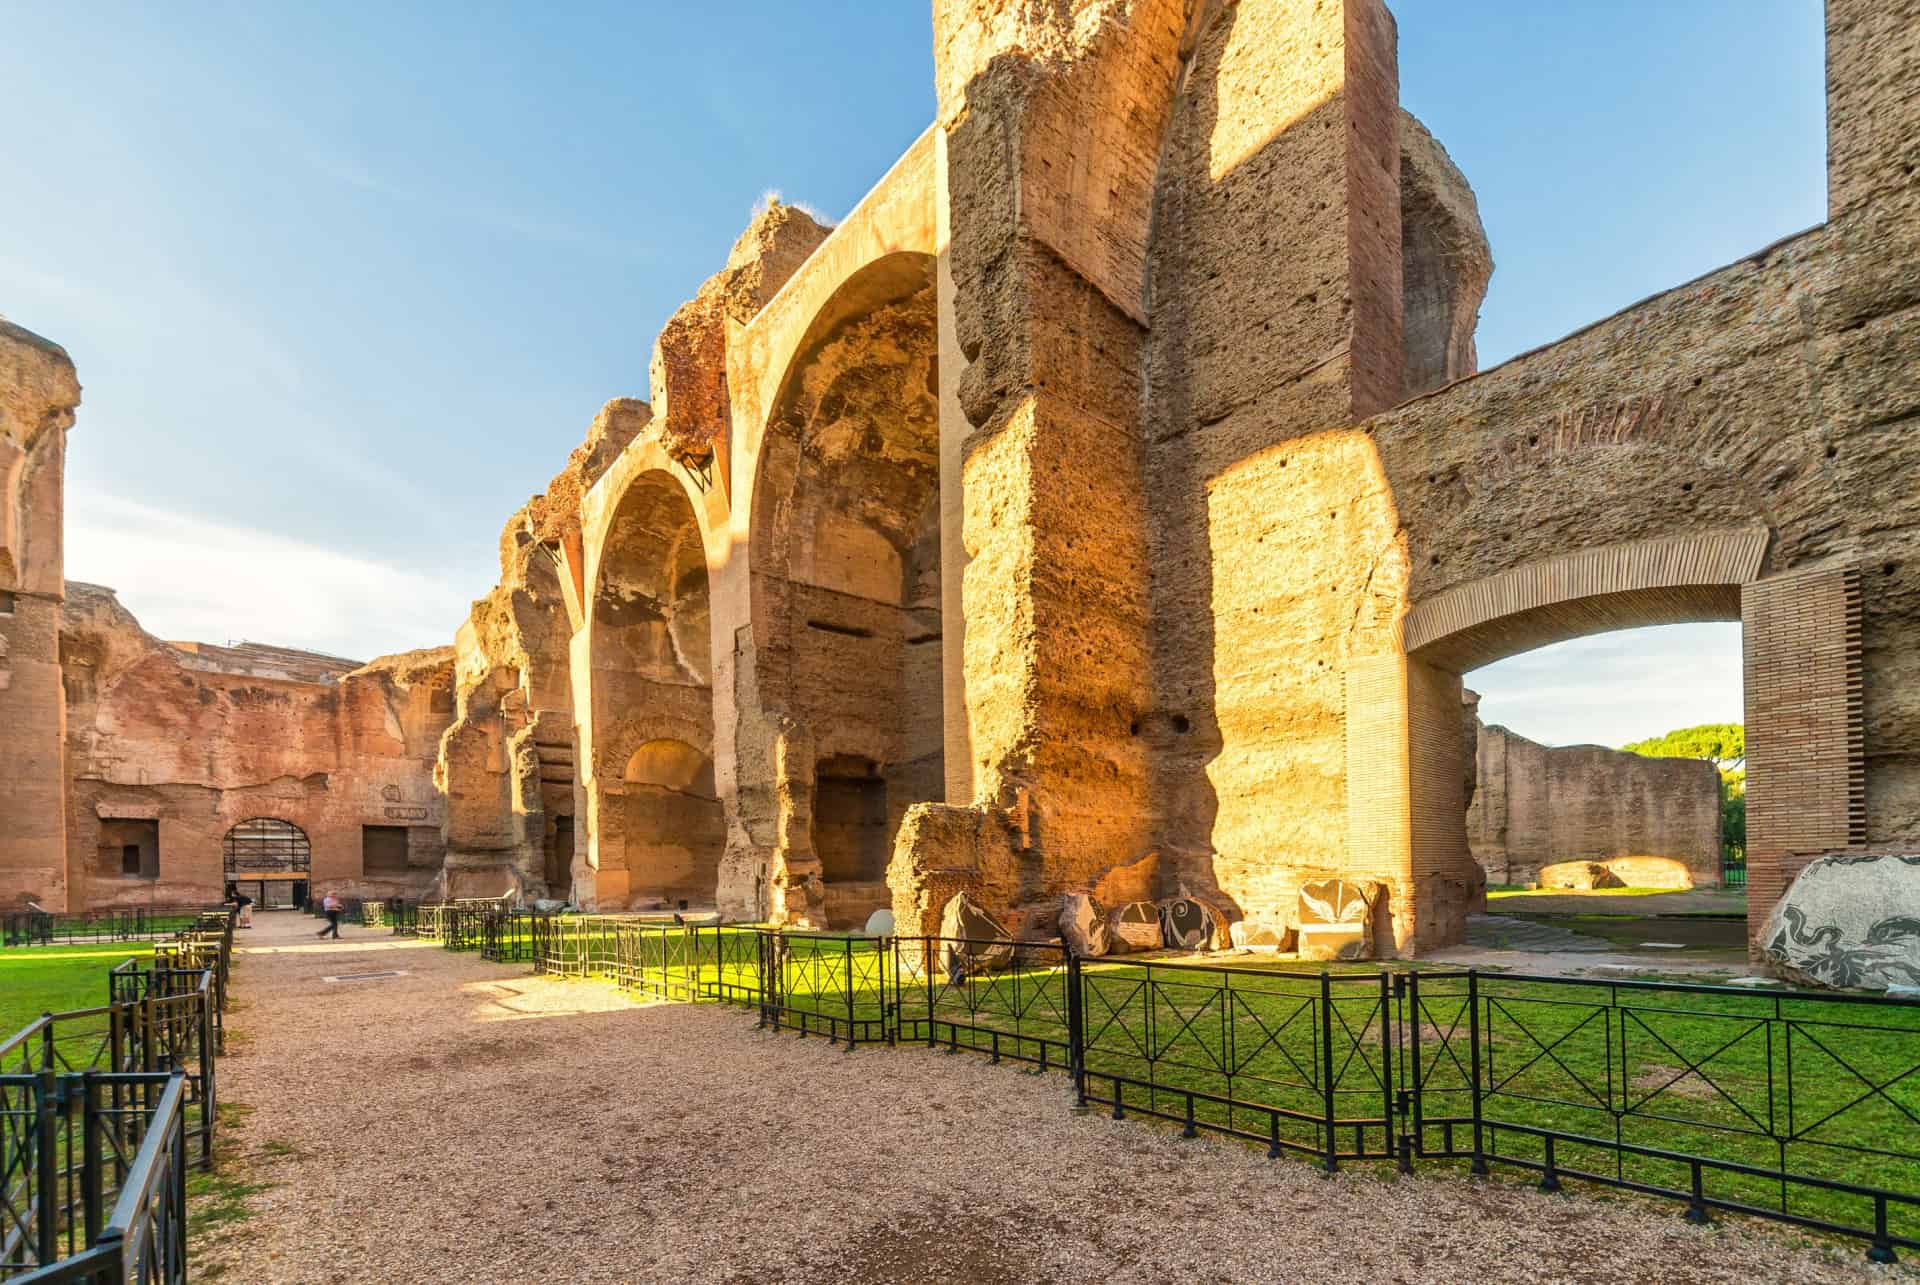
(1109, 500)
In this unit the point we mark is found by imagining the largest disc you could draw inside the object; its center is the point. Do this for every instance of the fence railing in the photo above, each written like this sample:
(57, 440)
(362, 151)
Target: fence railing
(1796, 1106)
(121, 1213)
(43, 928)
(78, 1093)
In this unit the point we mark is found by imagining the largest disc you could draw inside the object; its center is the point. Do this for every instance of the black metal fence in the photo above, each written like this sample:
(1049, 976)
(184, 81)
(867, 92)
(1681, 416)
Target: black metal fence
(1796, 1106)
(99, 1106)
(1733, 867)
(42, 928)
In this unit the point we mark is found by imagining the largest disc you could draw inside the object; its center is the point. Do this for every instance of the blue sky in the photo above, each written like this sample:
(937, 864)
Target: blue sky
(345, 283)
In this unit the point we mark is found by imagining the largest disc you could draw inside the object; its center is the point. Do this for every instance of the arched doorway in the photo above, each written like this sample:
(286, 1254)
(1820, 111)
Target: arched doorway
(656, 835)
(1800, 673)
(270, 860)
(846, 583)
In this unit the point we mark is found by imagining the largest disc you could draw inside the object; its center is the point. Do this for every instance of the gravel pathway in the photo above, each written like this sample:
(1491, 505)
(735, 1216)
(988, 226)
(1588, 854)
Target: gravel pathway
(468, 1122)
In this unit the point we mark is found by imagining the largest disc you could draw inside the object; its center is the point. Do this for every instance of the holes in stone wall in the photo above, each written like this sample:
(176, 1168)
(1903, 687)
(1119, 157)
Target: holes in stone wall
(6, 602)
(845, 631)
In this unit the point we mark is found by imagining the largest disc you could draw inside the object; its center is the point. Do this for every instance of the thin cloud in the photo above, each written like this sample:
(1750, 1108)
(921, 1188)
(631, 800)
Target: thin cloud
(190, 579)
(1619, 687)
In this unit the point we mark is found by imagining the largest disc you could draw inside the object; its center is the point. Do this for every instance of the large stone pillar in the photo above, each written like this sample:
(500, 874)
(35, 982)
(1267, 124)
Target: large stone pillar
(1873, 100)
(38, 394)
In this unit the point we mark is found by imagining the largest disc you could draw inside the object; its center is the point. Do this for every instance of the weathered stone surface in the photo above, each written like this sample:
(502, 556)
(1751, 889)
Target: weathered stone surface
(972, 940)
(1653, 822)
(1578, 876)
(38, 394)
(1187, 924)
(1849, 921)
(1135, 926)
(193, 739)
(1336, 919)
(879, 924)
(689, 372)
(1083, 926)
(1259, 935)
(1445, 263)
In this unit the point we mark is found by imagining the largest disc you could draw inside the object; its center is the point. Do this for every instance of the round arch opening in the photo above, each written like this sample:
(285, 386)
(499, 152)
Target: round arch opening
(847, 575)
(270, 860)
(658, 831)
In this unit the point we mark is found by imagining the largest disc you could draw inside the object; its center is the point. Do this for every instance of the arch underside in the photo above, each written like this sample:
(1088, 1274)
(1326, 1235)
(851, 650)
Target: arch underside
(1653, 582)
(658, 831)
(846, 586)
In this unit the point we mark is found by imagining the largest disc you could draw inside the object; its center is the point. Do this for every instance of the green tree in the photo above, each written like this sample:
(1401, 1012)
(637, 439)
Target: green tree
(1725, 745)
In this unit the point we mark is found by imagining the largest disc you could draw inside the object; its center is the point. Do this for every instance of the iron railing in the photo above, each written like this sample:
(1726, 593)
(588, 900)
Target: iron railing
(81, 1092)
(43, 928)
(1795, 1106)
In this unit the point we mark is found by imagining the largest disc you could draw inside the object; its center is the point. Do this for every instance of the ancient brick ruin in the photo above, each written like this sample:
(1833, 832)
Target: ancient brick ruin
(1109, 501)
(1607, 817)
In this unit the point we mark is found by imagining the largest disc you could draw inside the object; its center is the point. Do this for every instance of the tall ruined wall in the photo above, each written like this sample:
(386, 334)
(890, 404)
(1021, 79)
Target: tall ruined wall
(507, 764)
(154, 736)
(38, 393)
(1316, 257)
(1536, 806)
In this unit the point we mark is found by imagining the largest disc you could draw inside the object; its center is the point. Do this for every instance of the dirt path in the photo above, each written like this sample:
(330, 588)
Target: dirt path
(468, 1122)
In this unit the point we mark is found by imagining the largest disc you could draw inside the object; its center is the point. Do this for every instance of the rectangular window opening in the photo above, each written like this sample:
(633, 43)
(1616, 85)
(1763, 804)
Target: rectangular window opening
(383, 849)
(129, 847)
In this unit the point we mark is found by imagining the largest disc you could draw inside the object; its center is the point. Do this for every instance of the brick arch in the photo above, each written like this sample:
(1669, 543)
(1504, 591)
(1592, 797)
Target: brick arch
(1619, 586)
(1801, 675)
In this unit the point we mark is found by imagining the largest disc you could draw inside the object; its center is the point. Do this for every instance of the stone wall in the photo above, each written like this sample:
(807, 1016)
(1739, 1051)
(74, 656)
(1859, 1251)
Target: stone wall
(1135, 411)
(38, 394)
(1655, 821)
(192, 741)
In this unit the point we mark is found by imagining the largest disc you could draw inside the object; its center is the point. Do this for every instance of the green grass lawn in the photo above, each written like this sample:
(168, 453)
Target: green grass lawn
(1826, 1088)
(40, 979)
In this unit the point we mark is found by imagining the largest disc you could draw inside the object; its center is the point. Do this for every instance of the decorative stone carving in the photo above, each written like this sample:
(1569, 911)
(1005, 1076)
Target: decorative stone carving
(1336, 919)
(1260, 935)
(972, 939)
(1137, 924)
(1187, 924)
(1083, 926)
(1849, 921)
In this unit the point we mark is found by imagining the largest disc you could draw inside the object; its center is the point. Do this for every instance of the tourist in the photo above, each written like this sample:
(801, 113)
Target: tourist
(331, 904)
(243, 902)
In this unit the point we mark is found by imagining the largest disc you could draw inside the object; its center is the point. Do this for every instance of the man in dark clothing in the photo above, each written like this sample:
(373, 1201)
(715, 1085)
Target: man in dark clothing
(332, 906)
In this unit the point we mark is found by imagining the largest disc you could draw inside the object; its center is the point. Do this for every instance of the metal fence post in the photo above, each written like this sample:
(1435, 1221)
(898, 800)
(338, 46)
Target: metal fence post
(847, 944)
(1332, 1162)
(208, 1102)
(1076, 1033)
(1473, 1066)
(926, 967)
(92, 1185)
(1410, 1031)
(46, 1185)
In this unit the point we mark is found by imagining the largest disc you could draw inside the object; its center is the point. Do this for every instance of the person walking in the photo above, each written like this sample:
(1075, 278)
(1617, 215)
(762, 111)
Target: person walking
(331, 904)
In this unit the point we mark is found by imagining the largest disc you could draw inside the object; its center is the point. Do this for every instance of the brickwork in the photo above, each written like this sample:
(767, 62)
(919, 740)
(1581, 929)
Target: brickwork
(1806, 771)
(1536, 805)
(1114, 481)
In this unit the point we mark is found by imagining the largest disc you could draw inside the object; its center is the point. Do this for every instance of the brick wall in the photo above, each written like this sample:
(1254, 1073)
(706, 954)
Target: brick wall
(1806, 762)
